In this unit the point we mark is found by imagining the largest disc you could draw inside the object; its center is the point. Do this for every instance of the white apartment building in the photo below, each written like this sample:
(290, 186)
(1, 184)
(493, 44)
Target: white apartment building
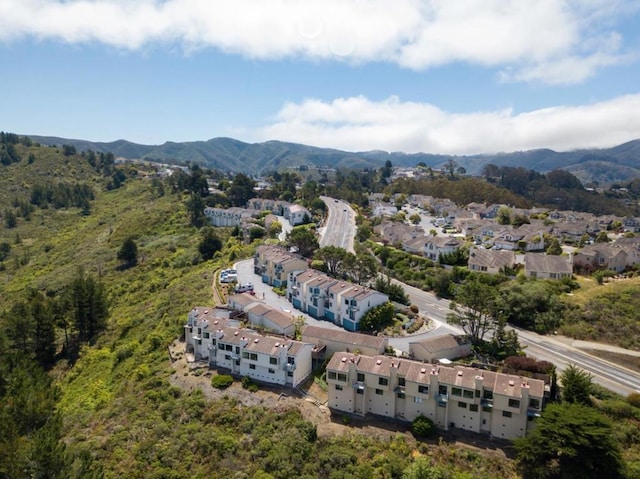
(228, 216)
(498, 404)
(323, 297)
(274, 263)
(244, 352)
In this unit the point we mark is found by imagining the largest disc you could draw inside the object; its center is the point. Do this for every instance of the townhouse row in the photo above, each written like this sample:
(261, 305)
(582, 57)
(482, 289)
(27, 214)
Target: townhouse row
(485, 402)
(215, 337)
(338, 301)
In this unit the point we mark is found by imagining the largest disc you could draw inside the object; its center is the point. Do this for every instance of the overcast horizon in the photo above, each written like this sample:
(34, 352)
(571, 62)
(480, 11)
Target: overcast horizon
(445, 77)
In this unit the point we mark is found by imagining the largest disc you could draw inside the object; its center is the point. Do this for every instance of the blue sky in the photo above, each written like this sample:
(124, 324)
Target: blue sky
(441, 76)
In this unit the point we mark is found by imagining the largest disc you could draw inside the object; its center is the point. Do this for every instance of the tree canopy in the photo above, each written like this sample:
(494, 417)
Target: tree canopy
(474, 309)
(128, 252)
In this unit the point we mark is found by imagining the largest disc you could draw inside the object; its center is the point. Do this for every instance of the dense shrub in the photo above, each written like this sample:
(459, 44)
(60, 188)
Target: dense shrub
(221, 381)
(422, 426)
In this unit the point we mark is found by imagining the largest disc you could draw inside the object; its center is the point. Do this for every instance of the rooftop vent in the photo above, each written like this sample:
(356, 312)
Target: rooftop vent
(459, 373)
(216, 322)
(277, 344)
(235, 333)
(206, 311)
(344, 360)
(511, 382)
(379, 362)
(423, 370)
(256, 340)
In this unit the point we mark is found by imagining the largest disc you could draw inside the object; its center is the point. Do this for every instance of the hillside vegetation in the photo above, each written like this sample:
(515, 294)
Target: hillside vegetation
(110, 411)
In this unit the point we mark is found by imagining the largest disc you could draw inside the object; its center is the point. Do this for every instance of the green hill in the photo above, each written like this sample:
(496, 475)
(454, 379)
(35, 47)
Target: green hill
(115, 414)
(232, 155)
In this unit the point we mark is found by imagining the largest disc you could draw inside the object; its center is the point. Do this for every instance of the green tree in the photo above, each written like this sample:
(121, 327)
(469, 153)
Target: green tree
(554, 248)
(602, 237)
(570, 441)
(361, 267)
(422, 426)
(304, 240)
(10, 219)
(474, 309)
(87, 303)
(241, 190)
(415, 218)
(377, 316)
(334, 259)
(421, 468)
(576, 385)
(275, 229)
(395, 291)
(209, 243)
(504, 216)
(195, 209)
(128, 252)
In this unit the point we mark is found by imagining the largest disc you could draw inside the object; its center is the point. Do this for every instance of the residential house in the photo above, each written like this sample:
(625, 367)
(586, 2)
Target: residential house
(296, 214)
(452, 397)
(573, 231)
(268, 359)
(274, 263)
(617, 256)
(446, 346)
(526, 237)
(631, 224)
(545, 266)
(201, 320)
(228, 216)
(392, 232)
(435, 246)
(271, 318)
(330, 341)
(490, 261)
(383, 209)
(323, 297)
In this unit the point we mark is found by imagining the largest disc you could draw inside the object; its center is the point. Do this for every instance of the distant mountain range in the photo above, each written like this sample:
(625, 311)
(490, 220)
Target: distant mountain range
(611, 165)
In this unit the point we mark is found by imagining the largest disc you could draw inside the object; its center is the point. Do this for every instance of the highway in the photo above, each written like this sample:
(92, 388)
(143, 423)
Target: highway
(340, 227)
(544, 348)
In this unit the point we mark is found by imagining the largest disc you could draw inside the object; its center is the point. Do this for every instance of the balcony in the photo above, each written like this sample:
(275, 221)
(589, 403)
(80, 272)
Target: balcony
(442, 398)
(359, 385)
(531, 412)
(289, 367)
(486, 402)
(235, 356)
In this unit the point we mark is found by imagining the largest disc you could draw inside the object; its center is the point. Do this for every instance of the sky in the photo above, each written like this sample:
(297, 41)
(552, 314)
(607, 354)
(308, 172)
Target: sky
(435, 76)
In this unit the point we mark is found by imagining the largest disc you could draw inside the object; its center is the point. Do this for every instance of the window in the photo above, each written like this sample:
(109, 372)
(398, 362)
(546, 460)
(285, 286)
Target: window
(400, 395)
(290, 360)
(199, 331)
(477, 393)
(290, 374)
(514, 403)
(473, 407)
(342, 377)
(456, 391)
(359, 391)
(338, 387)
(237, 349)
(462, 404)
(206, 335)
(331, 375)
(379, 392)
(346, 301)
(486, 409)
(221, 346)
(423, 389)
(252, 366)
(273, 360)
(467, 394)
(272, 371)
(227, 357)
(245, 355)
(417, 400)
(401, 381)
(442, 389)
(506, 413)
(228, 347)
(534, 403)
(361, 377)
(383, 381)
(487, 394)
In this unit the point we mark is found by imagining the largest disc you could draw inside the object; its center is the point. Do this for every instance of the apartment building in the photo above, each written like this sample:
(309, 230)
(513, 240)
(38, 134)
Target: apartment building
(274, 263)
(243, 352)
(330, 341)
(323, 297)
(487, 402)
(228, 216)
(201, 320)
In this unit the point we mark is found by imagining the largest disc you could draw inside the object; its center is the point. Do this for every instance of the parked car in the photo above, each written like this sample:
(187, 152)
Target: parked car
(244, 288)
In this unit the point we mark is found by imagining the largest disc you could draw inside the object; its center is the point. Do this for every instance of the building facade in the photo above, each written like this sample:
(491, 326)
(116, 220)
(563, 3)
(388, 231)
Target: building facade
(496, 404)
(274, 263)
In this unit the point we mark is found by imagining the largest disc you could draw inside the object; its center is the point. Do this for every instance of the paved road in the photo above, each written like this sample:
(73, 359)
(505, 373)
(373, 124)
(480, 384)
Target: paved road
(544, 348)
(340, 228)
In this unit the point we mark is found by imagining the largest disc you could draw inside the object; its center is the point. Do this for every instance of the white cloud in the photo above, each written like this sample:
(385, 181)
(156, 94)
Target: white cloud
(541, 40)
(358, 124)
